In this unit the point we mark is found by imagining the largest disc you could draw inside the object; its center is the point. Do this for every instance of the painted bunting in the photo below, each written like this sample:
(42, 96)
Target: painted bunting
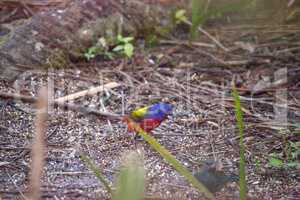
(149, 117)
(214, 179)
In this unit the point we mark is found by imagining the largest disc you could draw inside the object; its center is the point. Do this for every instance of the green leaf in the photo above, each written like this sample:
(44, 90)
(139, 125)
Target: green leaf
(93, 50)
(128, 50)
(96, 171)
(257, 163)
(295, 145)
(118, 48)
(179, 13)
(295, 165)
(131, 180)
(109, 55)
(275, 162)
(128, 39)
(89, 56)
(119, 38)
(180, 16)
(297, 126)
(295, 154)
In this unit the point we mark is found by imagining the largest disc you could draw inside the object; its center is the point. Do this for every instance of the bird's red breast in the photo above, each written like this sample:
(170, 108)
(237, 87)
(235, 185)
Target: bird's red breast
(147, 124)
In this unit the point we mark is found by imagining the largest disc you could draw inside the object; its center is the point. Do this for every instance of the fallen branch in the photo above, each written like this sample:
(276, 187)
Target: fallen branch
(65, 106)
(13, 96)
(198, 44)
(200, 29)
(88, 92)
(36, 3)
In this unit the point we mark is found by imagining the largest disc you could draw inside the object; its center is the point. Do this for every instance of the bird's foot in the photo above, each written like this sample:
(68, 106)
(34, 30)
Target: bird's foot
(138, 137)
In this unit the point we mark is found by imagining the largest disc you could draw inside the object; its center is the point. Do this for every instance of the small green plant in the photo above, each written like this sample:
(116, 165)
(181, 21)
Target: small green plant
(180, 16)
(203, 10)
(257, 164)
(289, 156)
(199, 13)
(100, 48)
(124, 46)
(91, 53)
(294, 150)
(151, 40)
(241, 126)
(277, 160)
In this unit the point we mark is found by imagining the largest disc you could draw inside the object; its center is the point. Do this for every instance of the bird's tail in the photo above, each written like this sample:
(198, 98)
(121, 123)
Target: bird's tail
(130, 126)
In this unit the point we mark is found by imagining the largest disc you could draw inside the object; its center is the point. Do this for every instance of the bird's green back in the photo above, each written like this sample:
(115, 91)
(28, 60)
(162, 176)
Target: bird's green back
(139, 114)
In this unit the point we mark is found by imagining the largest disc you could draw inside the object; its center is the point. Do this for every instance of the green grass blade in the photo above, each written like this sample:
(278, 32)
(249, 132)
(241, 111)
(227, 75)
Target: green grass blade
(198, 16)
(240, 123)
(172, 161)
(131, 180)
(96, 171)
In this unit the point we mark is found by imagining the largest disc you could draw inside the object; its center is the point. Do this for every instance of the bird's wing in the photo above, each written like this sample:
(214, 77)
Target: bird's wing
(140, 113)
(157, 112)
(149, 124)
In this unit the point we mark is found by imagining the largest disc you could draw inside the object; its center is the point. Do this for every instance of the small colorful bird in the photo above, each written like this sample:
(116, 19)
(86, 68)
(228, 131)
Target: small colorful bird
(149, 117)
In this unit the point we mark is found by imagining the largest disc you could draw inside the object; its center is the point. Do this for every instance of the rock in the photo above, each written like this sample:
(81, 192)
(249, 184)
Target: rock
(56, 37)
(213, 179)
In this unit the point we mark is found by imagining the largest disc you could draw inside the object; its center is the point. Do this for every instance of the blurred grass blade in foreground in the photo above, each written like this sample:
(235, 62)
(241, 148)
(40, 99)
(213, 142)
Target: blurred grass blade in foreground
(96, 171)
(131, 179)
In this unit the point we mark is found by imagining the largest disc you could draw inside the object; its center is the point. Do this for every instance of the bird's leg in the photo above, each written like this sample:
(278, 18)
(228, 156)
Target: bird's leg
(138, 137)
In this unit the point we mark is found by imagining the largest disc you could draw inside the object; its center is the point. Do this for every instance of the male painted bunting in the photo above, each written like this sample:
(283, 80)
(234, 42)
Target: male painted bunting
(149, 117)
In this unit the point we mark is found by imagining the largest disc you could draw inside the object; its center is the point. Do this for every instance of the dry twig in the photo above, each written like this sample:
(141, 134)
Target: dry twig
(38, 147)
(65, 106)
(88, 92)
(218, 43)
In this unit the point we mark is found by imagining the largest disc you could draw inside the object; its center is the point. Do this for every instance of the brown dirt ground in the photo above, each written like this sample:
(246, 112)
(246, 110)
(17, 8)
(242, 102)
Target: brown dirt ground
(203, 125)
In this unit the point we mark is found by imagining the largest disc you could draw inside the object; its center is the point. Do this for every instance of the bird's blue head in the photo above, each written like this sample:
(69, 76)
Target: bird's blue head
(166, 108)
(162, 109)
(159, 111)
